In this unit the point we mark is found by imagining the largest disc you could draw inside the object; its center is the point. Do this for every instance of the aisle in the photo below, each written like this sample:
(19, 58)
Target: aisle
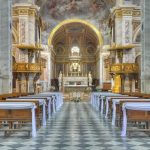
(76, 127)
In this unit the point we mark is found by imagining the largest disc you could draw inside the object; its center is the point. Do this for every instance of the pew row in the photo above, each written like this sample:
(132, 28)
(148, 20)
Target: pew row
(117, 109)
(97, 99)
(40, 111)
(135, 111)
(108, 103)
(18, 111)
(11, 95)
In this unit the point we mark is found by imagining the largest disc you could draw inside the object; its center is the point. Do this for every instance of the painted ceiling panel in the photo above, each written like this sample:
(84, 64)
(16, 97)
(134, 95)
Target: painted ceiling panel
(55, 11)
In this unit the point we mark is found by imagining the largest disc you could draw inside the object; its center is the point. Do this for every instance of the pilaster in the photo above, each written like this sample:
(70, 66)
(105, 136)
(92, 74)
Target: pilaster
(145, 66)
(5, 47)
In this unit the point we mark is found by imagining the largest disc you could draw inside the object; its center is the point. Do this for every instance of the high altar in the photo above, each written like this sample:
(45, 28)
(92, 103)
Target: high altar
(75, 82)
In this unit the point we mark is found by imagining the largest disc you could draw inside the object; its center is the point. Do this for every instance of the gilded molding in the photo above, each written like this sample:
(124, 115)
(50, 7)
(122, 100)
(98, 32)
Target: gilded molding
(124, 68)
(125, 11)
(27, 67)
(121, 47)
(30, 47)
(24, 11)
(91, 26)
(137, 13)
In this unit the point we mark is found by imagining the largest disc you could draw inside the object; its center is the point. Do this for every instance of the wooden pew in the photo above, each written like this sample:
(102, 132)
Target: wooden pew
(47, 99)
(146, 95)
(108, 113)
(9, 95)
(18, 112)
(103, 97)
(106, 86)
(135, 112)
(137, 94)
(40, 111)
(118, 108)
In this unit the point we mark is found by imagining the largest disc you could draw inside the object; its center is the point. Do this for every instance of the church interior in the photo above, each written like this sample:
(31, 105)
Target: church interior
(74, 74)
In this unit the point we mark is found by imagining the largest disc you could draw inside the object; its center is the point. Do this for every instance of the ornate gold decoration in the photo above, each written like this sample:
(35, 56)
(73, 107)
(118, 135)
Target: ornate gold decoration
(27, 67)
(25, 10)
(97, 32)
(118, 13)
(121, 47)
(30, 47)
(127, 11)
(116, 68)
(117, 84)
(137, 13)
(124, 68)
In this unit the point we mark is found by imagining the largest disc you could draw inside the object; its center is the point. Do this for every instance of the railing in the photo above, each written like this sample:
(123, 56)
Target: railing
(124, 68)
(27, 67)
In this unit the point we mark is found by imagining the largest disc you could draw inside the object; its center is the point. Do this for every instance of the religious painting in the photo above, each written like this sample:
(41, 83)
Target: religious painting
(55, 11)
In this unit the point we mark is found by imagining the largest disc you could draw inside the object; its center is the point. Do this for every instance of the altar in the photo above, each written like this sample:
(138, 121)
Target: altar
(75, 87)
(75, 79)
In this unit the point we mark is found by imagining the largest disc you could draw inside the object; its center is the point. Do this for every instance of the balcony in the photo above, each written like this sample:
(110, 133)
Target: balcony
(27, 67)
(121, 47)
(124, 68)
(35, 47)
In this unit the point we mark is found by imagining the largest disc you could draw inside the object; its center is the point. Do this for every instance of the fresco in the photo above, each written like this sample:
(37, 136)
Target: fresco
(55, 11)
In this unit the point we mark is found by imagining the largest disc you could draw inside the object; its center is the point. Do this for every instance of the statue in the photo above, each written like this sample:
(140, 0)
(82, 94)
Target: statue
(90, 78)
(75, 67)
(60, 80)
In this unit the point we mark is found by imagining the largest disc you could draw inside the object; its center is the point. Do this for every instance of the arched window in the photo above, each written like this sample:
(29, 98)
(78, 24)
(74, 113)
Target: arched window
(75, 50)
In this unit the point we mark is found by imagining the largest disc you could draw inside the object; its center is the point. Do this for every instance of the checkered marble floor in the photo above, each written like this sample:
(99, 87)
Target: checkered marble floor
(77, 126)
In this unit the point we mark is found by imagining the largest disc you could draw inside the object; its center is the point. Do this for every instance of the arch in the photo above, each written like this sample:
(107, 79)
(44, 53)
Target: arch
(136, 33)
(138, 60)
(15, 34)
(65, 22)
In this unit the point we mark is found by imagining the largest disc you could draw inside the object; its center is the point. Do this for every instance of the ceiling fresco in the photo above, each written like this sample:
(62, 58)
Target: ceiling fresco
(55, 11)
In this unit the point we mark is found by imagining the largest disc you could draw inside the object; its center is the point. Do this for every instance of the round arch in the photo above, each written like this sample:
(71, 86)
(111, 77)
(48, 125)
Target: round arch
(65, 22)
(136, 33)
(15, 34)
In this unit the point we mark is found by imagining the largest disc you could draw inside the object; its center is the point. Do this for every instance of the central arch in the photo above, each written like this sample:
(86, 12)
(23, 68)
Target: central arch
(79, 68)
(65, 22)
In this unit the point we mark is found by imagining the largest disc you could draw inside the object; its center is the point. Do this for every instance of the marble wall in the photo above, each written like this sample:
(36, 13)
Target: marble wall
(145, 72)
(5, 47)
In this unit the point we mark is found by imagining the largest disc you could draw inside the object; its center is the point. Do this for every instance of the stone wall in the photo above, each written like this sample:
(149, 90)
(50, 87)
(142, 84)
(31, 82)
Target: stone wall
(145, 72)
(5, 47)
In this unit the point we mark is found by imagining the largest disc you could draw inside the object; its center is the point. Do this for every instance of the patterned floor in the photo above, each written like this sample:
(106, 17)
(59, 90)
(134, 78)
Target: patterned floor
(76, 127)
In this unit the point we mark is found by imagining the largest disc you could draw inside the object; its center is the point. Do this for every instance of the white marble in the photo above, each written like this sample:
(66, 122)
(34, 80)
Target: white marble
(5, 47)
(145, 75)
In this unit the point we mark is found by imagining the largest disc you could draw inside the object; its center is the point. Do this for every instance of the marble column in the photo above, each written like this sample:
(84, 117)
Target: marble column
(145, 69)
(50, 65)
(5, 47)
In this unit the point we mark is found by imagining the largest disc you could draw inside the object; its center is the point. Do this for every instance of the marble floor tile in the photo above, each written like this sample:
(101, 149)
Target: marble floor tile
(77, 126)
